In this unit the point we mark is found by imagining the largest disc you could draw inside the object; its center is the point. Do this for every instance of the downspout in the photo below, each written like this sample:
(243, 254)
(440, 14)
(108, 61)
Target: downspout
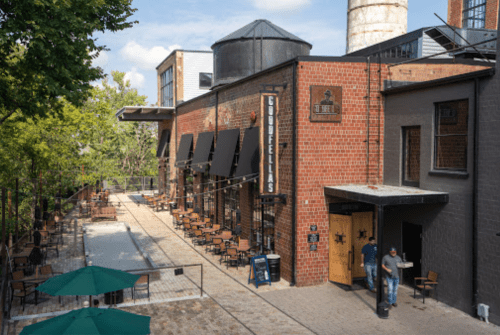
(475, 197)
(294, 169)
(215, 143)
(176, 116)
(368, 64)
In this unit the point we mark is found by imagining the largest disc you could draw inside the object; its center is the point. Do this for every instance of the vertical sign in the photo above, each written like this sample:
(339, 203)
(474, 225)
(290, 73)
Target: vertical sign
(269, 145)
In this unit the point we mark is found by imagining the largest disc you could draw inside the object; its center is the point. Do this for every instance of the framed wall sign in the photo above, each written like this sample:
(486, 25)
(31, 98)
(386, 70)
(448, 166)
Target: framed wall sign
(326, 104)
(269, 147)
(314, 228)
(313, 247)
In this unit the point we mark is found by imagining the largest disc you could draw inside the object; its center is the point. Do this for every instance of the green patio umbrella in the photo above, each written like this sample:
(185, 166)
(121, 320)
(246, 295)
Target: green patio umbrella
(90, 280)
(91, 321)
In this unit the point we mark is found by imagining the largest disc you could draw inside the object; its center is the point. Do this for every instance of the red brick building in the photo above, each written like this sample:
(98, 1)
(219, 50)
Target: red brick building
(313, 153)
(473, 14)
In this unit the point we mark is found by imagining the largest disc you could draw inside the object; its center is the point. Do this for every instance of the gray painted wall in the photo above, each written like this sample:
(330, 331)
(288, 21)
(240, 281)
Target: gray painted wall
(446, 229)
(489, 193)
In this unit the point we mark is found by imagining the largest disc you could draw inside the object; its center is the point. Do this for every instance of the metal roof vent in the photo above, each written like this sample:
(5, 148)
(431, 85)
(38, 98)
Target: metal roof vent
(253, 48)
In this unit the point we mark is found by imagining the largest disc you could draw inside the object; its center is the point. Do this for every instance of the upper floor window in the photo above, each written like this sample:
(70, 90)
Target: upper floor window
(474, 14)
(205, 80)
(450, 142)
(167, 88)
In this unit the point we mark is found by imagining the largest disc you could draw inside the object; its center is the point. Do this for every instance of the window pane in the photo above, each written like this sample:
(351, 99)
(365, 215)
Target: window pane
(451, 152)
(205, 79)
(452, 118)
(412, 154)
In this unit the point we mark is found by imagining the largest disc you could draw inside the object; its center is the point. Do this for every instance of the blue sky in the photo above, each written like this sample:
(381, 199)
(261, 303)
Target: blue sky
(166, 25)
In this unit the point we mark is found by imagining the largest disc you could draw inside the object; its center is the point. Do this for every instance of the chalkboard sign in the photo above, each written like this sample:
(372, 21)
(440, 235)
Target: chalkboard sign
(314, 228)
(259, 270)
(312, 238)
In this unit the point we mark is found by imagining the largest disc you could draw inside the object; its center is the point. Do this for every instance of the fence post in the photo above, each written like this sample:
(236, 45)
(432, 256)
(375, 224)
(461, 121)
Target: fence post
(4, 260)
(125, 184)
(201, 293)
(75, 228)
(17, 209)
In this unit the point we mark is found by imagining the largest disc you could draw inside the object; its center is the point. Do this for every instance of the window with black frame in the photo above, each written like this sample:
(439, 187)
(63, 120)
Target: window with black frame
(167, 88)
(188, 189)
(474, 14)
(451, 140)
(208, 197)
(205, 80)
(411, 156)
(231, 206)
(262, 229)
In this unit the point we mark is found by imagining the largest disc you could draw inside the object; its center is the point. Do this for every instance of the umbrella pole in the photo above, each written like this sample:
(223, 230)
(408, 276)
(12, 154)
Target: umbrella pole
(90, 301)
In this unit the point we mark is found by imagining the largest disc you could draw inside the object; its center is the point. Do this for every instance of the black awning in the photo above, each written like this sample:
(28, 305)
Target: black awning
(185, 149)
(162, 143)
(248, 163)
(225, 148)
(204, 146)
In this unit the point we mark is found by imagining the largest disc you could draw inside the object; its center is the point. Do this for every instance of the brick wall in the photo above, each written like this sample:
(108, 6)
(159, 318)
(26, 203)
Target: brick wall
(328, 153)
(455, 13)
(332, 154)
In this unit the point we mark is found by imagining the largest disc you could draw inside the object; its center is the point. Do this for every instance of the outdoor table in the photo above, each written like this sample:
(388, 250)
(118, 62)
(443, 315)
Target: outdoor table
(209, 230)
(24, 253)
(198, 224)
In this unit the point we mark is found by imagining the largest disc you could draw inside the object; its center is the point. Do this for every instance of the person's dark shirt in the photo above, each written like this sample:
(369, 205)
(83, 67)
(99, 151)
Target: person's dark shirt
(370, 252)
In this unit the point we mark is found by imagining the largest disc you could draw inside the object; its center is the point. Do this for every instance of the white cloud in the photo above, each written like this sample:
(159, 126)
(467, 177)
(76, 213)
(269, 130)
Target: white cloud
(281, 5)
(145, 58)
(102, 60)
(136, 78)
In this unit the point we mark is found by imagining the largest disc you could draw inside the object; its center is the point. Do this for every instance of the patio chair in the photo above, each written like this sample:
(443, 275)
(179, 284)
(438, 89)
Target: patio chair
(21, 290)
(187, 230)
(232, 257)
(47, 270)
(213, 243)
(198, 237)
(222, 251)
(208, 240)
(142, 284)
(21, 263)
(424, 284)
(17, 275)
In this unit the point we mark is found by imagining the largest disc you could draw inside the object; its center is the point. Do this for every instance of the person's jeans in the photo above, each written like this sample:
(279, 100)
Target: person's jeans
(371, 274)
(392, 290)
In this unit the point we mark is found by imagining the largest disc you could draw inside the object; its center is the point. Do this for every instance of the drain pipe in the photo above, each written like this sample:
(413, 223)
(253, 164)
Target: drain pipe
(215, 143)
(475, 197)
(368, 65)
(294, 168)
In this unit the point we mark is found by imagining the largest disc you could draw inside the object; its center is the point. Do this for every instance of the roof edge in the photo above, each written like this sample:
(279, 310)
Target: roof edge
(442, 81)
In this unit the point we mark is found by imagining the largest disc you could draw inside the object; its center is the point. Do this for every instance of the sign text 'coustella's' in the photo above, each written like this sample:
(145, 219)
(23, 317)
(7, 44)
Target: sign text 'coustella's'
(269, 147)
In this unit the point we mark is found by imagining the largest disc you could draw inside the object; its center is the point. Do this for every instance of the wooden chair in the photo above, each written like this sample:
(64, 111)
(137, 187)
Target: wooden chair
(17, 275)
(21, 290)
(424, 284)
(47, 270)
(198, 237)
(142, 284)
(21, 263)
(214, 243)
(222, 251)
(232, 257)
(208, 240)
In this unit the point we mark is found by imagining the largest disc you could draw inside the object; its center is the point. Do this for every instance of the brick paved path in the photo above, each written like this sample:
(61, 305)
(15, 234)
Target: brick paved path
(231, 306)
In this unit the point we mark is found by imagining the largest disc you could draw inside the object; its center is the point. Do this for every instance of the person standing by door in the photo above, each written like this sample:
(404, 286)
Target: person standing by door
(389, 264)
(369, 262)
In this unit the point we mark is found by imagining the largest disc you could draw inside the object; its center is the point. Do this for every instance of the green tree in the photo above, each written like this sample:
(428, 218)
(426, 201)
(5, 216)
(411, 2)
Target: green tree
(116, 148)
(46, 51)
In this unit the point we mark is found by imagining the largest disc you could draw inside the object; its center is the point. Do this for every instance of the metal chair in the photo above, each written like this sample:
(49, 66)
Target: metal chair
(142, 284)
(23, 291)
(232, 257)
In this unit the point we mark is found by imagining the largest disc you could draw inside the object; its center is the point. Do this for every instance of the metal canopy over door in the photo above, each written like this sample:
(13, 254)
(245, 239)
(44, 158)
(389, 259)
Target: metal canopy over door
(362, 226)
(340, 258)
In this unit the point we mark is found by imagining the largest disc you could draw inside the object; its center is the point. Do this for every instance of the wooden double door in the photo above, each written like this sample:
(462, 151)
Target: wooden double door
(348, 235)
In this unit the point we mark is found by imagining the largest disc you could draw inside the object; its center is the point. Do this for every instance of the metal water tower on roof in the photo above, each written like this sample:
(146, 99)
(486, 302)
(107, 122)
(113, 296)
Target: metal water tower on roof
(253, 48)
(373, 21)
